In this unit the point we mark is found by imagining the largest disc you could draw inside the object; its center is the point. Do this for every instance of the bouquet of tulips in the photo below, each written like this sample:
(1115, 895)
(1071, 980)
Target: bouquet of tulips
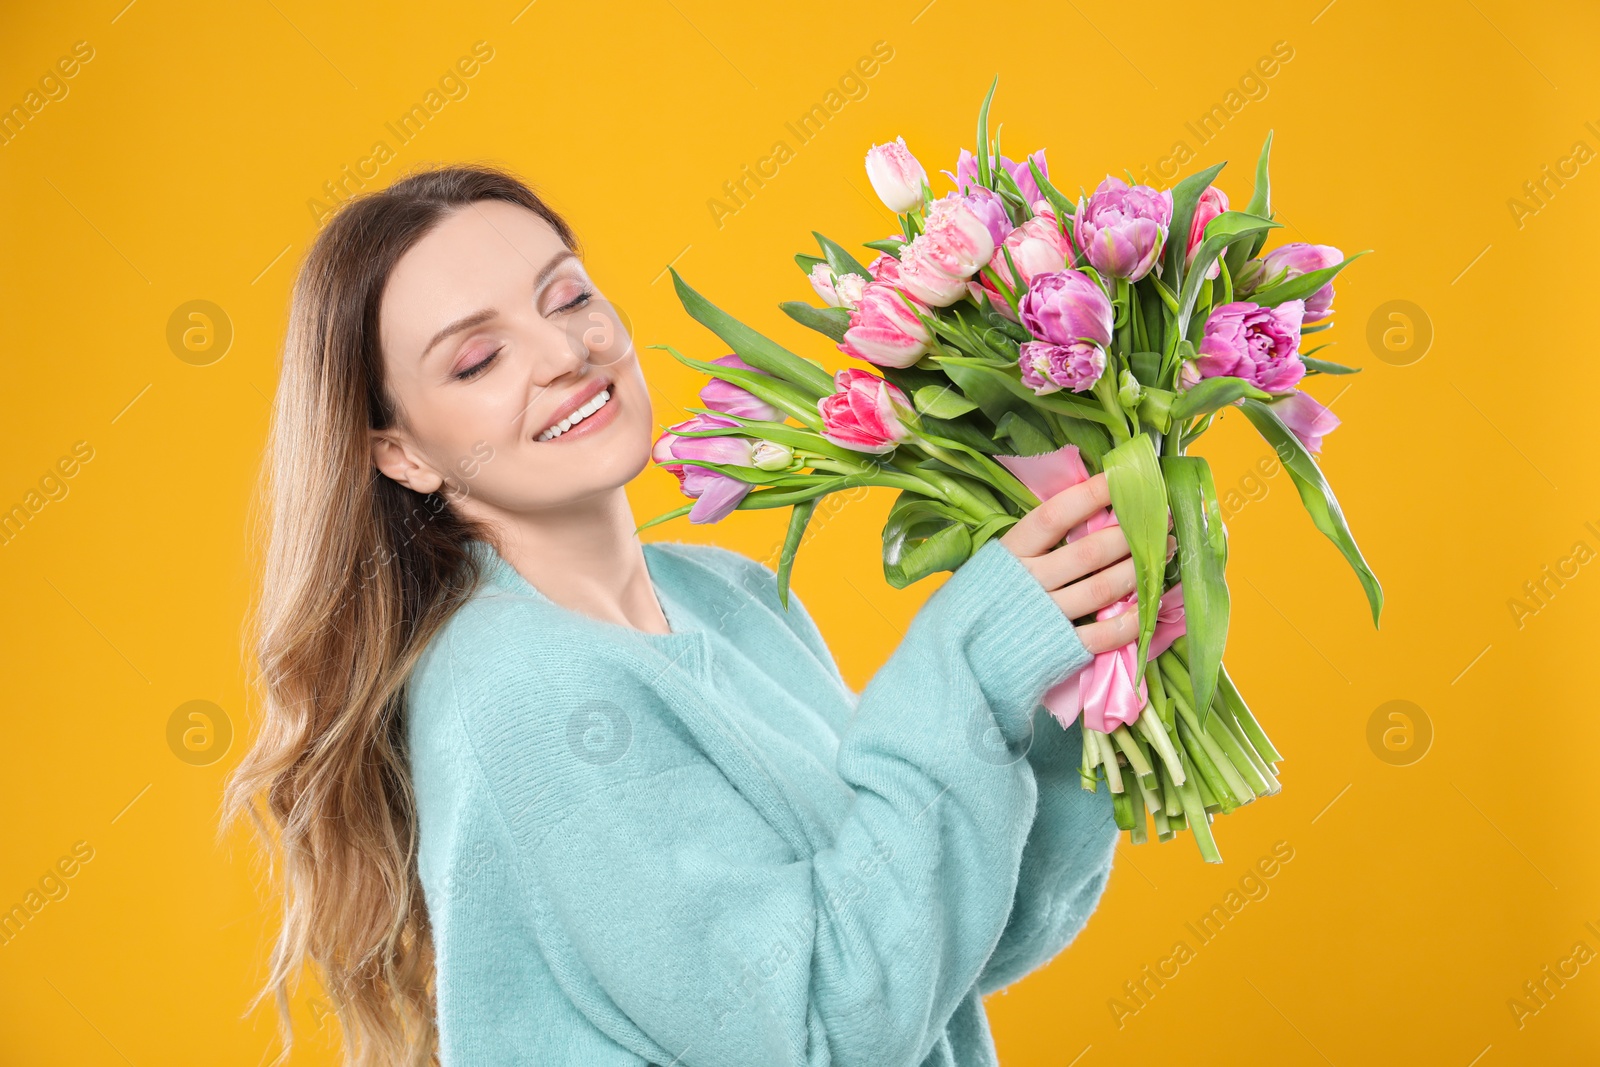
(1019, 342)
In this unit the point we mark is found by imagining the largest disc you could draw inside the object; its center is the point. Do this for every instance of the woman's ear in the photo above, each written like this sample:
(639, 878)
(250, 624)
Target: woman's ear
(394, 458)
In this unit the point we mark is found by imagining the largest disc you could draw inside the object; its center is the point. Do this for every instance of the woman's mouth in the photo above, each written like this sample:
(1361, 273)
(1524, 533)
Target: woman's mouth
(596, 412)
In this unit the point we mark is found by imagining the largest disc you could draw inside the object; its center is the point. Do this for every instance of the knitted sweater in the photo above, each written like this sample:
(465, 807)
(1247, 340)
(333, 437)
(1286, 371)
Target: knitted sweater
(703, 849)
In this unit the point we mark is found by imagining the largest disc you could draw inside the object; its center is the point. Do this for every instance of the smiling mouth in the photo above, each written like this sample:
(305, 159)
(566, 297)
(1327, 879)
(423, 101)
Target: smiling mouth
(587, 408)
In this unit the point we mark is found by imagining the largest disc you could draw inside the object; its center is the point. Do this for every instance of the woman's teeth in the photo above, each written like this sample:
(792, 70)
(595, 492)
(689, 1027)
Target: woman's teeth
(578, 416)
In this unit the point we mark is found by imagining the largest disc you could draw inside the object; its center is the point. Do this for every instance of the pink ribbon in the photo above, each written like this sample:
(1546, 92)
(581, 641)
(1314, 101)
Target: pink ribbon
(1108, 692)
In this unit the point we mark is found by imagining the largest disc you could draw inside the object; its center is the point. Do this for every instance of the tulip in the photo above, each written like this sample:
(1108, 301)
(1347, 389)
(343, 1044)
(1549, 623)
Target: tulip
(1047, 367)
(715, 494)
(1293, 260)
(896, 176)
(1122, 229)
(737, 400)
(1212, 203)
(837, 290)
(923, 272)
(884, 329)
(991, 210)
(966, 175)
(1037, 247)
(1306, 418)
(771, 456)
(861, 413)
(1260, 345)
(1065, 306)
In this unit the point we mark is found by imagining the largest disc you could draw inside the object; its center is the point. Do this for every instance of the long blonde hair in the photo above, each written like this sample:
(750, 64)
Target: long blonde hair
(359, 573)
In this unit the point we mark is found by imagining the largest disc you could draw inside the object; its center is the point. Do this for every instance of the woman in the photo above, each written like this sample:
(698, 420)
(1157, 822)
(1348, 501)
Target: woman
(546, 794)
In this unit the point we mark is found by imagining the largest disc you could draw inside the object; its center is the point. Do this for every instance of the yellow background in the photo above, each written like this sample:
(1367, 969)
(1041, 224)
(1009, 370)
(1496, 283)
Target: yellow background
(1419, 899)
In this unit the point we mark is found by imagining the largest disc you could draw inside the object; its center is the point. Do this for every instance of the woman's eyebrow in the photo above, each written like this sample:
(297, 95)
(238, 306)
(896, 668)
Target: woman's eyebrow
(483, 315)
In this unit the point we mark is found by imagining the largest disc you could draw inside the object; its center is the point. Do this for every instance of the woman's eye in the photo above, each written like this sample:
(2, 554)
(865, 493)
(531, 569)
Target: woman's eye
(478, 367)
(576, 302)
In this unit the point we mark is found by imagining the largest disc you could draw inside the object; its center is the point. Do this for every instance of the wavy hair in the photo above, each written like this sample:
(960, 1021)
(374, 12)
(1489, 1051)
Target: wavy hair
(359, 573)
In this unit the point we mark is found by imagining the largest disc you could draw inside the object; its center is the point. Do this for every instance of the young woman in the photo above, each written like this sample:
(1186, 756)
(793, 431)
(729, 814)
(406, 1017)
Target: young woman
(546, 794)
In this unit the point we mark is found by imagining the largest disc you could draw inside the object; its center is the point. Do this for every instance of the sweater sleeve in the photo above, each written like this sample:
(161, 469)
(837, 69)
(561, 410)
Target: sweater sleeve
(685, 926)
(1066, 862)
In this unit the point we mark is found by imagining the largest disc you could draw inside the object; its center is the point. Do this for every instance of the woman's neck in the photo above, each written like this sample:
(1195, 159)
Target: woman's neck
(587, 557)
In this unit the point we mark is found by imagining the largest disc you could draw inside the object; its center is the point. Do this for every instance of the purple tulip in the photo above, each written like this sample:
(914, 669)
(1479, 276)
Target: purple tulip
(990, 210)
(1302, 258)
(1065, 306)
(1047, 368)
(1260, 345)
(1122, 229)
(966, 175)
(716, 494)
(1306, 418)
(737, 400)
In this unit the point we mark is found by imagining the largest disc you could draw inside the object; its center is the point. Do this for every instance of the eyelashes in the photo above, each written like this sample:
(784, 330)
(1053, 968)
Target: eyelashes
(482, 365)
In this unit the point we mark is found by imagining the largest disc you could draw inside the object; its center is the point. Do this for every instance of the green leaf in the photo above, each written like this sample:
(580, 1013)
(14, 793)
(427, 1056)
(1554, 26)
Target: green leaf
(752, 347)
(942, 401)
(807, 263)
(921, 537)
(1063, 207)
(1301, 286)
(1322, 366)
(1185, 196)
(1027, 437)
(1139, 500)
(1226, 227)
(1146, 367)
(841, 261)
(981, 382)
(1316, 495)
(774, 390)
(1213, 394)
(985, 179)
(798, 517)
(889, 246)
(830, 322)
(1202, 562)
(1260, 200)
(664, 516)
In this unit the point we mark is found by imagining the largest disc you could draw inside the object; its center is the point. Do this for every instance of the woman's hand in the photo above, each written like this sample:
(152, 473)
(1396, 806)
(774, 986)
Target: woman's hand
(1086, 575)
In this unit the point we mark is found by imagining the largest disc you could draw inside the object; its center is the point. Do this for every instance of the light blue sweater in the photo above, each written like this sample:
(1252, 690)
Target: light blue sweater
(703, 849)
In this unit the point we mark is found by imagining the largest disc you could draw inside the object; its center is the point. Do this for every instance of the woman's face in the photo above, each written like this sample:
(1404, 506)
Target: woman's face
(492, 333)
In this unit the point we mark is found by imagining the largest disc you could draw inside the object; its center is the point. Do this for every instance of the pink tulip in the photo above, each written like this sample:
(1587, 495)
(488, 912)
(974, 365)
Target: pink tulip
(1047, 368)
(884, 329)
(1109, 691)
(715, 494)
(1260, 345)
(896, 176)
(1212, 203)
(1293, 260)
(735, 399)
(922, 273)
(1065, 306)
(991, 210)
(861, 414)
(1122, 229)
(1306, 418)
(1037, 247)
